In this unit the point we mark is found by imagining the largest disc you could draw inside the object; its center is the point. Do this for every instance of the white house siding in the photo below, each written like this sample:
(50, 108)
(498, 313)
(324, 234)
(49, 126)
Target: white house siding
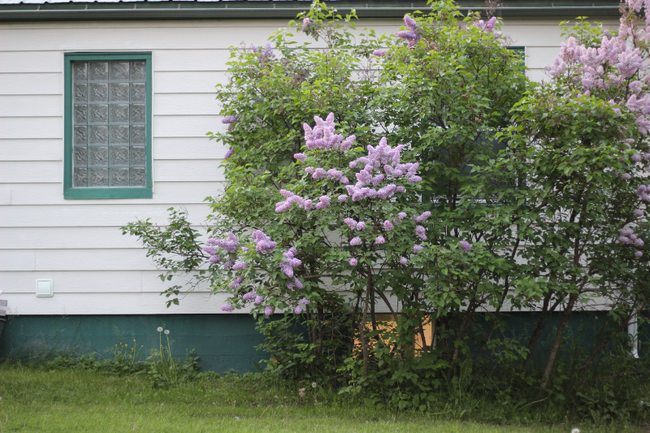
(77, 243)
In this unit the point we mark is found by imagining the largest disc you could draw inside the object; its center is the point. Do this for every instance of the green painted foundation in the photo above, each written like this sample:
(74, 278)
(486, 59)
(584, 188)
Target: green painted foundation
(582, 334)
(223, 342)
(228, 341)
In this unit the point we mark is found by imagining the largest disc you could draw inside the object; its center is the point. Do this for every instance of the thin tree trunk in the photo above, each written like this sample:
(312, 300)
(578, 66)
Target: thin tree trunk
(494, 319)
(461, 334)
(387, 302)
(506, 289)
(321, 328)
(362, 334)
(541, 324)
(355, 316)
(434, 323)
(373, 314)
(602, 344)
(558, 339)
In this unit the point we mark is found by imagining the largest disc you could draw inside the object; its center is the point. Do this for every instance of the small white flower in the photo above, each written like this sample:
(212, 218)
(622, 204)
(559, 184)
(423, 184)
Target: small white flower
(160, 329)
(167, 333)
(575, 430)
(314, 385)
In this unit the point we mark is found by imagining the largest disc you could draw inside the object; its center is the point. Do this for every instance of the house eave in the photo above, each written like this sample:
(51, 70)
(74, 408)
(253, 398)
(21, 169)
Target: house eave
(193, 10)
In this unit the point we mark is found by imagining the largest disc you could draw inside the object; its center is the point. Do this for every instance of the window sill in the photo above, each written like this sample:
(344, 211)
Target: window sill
(106, 193)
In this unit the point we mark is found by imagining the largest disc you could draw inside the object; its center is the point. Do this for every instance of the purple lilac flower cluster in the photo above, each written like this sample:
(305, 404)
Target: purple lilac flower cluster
(611, 64)
(371, 175)
(263, 243)
(644, 192)
(412, 35)
(252, 296)
(608, 65)
(292, 198)
(230, 121)
(265, 54)
(488, 26)
(229, 245)
(319, 173)
(286, 266)
(309, 27)
(301, 304)
(323, 135)
(629, 237)
(217, 248)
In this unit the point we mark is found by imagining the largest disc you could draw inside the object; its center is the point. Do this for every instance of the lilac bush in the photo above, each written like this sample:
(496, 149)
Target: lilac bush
(406, 205)
(581, 143)
(369, 238)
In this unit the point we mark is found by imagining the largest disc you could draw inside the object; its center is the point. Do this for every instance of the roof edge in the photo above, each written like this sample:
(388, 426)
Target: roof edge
(182, 10)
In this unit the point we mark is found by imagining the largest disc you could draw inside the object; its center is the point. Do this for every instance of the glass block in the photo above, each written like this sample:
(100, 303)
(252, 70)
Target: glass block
(98, 155)
(80, 71)
(98, 113)
(137, 113)
(80, 113)
(119, 92)
(98, 71)
(98, 135)
(119, 71)
(98, 92)
(119, 113)
(80, 156)
(80, 93)
(119, 176)
(119, 156)
(138, 176)
(98, 177)
(137, 92)
(80, 135)
(80, 177)
(138, 70)
(119, 134)
(138, 134)
(138, 155)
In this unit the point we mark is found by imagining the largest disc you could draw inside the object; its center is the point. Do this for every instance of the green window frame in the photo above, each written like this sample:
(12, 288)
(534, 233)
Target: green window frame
(108, 124)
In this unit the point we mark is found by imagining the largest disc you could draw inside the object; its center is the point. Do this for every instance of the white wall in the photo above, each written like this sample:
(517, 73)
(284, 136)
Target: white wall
(77, 243)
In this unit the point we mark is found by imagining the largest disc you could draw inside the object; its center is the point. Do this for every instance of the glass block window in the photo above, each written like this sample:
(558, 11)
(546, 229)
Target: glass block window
(108, 126)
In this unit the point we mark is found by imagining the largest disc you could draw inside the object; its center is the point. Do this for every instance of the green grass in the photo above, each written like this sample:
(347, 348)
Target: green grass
(71, 400)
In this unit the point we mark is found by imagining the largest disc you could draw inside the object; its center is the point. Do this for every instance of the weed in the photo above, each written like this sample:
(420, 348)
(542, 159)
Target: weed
(165, 371)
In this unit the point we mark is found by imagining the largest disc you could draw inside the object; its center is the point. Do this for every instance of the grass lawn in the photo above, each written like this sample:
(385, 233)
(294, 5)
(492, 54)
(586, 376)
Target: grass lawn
(41, 400)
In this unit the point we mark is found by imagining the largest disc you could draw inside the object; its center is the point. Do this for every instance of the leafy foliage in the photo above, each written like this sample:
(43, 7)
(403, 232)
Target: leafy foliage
(448, 191)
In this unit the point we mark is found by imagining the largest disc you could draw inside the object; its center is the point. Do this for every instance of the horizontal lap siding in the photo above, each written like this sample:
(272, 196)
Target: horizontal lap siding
(131, 302)
(93, 281)
(542, 39)
(77, 243)
(167, 194)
